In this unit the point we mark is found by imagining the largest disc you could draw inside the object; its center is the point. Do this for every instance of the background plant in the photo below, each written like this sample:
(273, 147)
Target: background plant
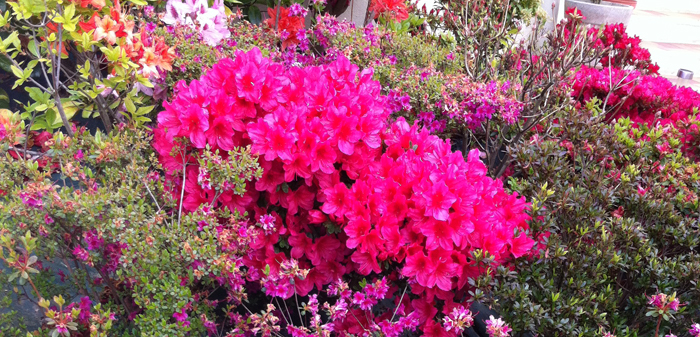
(88, 58)
(616, 209)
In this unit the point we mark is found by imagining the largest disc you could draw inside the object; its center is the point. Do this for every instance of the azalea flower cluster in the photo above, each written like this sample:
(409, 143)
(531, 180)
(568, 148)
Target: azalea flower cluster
(355, 313)
(342, 190)
(695, 330)
(496, 327)
(622, 51)
(210, 22)
(390, 10)
(288, 25)
(116, 29)
(645, 99)
(625, 50)
(461, 103)
(665, 303)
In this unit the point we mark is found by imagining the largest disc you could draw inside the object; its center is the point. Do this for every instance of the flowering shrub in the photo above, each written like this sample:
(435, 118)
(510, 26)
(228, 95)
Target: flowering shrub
(624, 51)
(210, 22)
(97, 205)
(621, 50)
(342, 192)
(92, 59)
(195, 57)
(389, 10)
(645, 99)
(287, 23)
(452, 103)
(615, 208)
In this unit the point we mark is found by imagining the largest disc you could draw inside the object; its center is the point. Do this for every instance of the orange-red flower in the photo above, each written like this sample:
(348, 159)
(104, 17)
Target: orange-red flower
(99, 4)
(289, 24)
(107, 29)
(391, 9)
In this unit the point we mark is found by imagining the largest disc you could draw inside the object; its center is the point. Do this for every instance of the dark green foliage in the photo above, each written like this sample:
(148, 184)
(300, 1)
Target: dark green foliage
(621, 205)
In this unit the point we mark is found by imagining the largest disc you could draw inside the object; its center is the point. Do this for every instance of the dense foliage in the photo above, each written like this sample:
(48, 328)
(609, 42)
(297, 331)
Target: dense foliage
(617, 210)
(262, 168)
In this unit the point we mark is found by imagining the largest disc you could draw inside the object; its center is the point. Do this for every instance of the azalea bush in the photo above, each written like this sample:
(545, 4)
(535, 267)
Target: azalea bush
(86, 58)
(88, 217)
(322, 155)
(616, 208)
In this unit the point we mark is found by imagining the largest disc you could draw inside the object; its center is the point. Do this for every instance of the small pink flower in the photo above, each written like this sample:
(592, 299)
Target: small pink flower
(695, 330)
(459, 319)
(497, 327)
(79, 155)
(81, 253)
(47, 219)
(641, 191)
(181, 317)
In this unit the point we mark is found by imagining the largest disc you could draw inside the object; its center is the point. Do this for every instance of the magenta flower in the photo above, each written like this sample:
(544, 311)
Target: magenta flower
(181, 317)
(297, 10)
(81, 253)
(150, 27)
(439, 201)
(195, 122)
(497, 327)
(458, 320)
(695, 330)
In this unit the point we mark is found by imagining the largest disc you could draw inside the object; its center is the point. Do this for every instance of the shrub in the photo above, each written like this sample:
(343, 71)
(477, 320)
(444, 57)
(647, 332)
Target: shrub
(645, 99)
(89, 217)
(616, 211)
(89, 58)
(342, 192)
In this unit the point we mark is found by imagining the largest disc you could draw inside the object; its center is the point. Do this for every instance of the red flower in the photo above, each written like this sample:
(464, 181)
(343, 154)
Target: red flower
(286, 23)
(393, 10)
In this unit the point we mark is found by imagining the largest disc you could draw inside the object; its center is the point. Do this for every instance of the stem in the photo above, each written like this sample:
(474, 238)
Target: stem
(182, 191)
(277, 17)
(41, 297)
(114, 290)
(398, 305)
(56, 63)
(658, 324)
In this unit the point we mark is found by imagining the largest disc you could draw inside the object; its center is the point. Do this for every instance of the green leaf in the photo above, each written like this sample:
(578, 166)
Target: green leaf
(33, 6)
(17, 71)
(130, 107)
(144, 110)
(33, 48)
(4, 99)
(89, 111)
(5, 64)
(254, 15)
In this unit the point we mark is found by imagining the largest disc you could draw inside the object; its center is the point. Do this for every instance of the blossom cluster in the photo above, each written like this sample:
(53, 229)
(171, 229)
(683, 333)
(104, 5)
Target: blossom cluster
(116, 29)
(496, 327)
(621, 50)
(343, 191)
(210, 22)
(393, 10)
(288, 24)
(624, 51)
(665, 303)
(645, 99)
(460, 103)
(695, 330)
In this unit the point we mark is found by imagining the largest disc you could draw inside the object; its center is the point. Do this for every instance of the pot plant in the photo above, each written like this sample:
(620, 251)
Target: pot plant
(597, 12)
